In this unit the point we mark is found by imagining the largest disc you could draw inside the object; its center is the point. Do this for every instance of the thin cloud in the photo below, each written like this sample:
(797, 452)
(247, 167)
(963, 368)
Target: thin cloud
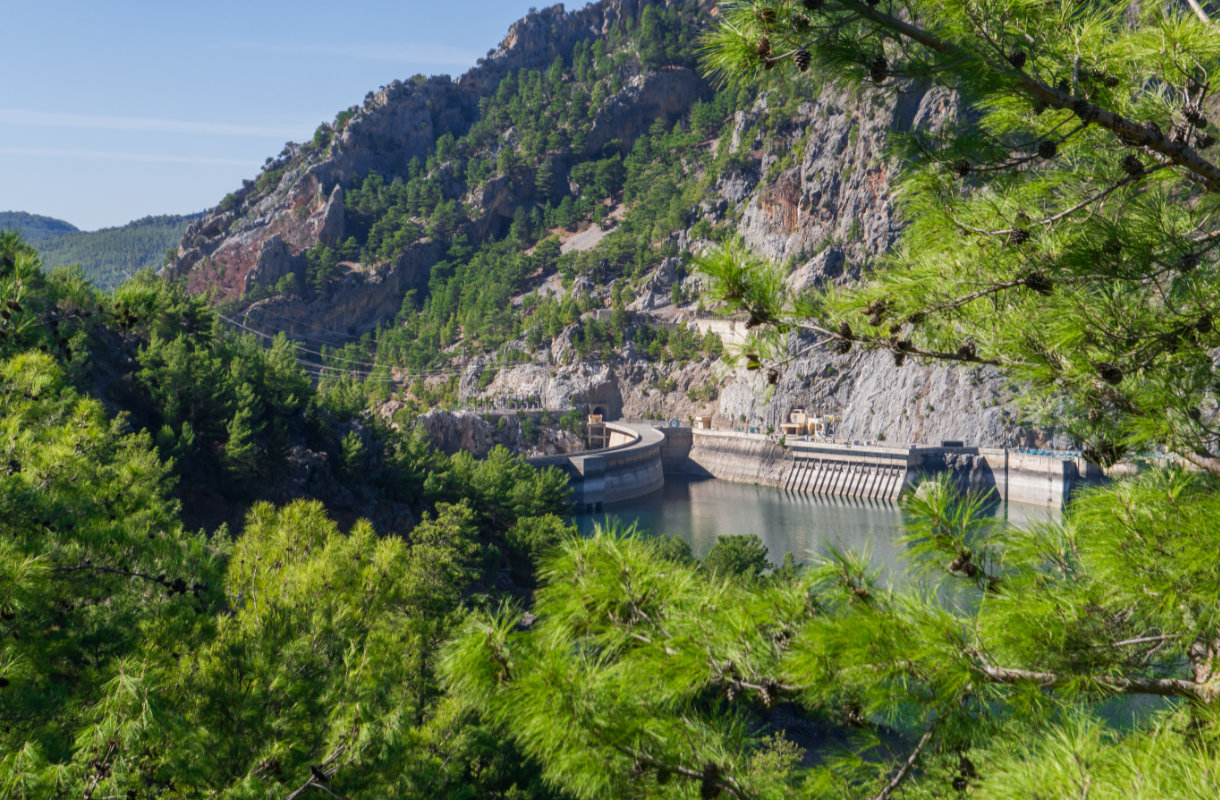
(106, 155)
(405, 53)
(53, 119)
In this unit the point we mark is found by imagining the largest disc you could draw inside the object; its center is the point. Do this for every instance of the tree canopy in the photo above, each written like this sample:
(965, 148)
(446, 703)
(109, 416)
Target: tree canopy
(1059, 225)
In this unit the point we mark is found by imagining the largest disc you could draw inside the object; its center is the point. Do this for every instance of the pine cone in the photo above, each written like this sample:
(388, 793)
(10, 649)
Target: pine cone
(879, 69)
(709, 787)
(801, 23)
(1187, 262)
(1040, 283)
(1017, 58)
(845, 330)
(968, 350)
(663, 775)
(899, 359)
(772, 377)
(802, 59)
(766, 15)
(1204, 325)
(764, 47)
(1048, 149)
(1195, 117)
(966, 767)
(843, 348)
(1110, 81)
(1110, 373)
(1018, 236)
(1205, 141)
(1132, 165)
(961, 167)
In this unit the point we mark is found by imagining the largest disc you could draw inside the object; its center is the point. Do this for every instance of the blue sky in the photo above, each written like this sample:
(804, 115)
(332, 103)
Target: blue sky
(114, 110)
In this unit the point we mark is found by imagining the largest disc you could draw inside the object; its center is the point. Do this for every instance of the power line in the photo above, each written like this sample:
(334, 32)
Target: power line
(341, 336)
(298, 345)
(364, 375)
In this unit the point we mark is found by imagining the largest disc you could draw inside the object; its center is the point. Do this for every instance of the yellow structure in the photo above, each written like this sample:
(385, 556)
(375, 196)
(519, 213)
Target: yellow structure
(797, 424)
(801, 424)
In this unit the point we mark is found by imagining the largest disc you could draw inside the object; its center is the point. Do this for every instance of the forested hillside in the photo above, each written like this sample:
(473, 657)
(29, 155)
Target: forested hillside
(136, 428)
(110, 256)
(107, 256)
(34, 227)
(232, 566)
(473, 237)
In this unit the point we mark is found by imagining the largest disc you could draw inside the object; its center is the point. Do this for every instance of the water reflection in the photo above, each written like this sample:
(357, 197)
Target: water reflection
(699, 511)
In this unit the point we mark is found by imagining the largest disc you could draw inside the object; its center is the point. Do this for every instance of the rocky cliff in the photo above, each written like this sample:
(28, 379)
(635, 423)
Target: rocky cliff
(801, 172)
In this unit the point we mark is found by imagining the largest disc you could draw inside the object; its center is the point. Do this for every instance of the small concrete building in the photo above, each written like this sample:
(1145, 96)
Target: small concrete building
(797, 424)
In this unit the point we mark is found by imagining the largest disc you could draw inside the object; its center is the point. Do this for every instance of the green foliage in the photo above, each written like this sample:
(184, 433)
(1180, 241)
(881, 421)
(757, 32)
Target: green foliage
(111, 256)
(136, 658)
(856, 653)
(1060, 230)
(738, 556)
(34, 227)
(1086, 271)
(93, 562)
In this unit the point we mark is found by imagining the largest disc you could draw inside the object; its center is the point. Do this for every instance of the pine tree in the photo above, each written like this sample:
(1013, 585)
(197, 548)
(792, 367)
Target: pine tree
(1060, 227)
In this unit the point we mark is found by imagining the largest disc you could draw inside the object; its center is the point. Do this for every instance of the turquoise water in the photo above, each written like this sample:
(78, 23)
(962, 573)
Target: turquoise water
(699, 511)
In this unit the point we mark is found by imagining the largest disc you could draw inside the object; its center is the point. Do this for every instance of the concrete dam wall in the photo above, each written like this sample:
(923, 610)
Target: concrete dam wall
(630, 467)
(641, 455)
(878, 472)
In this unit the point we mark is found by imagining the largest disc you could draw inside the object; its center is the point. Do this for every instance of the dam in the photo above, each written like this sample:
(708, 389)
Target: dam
(638, 456)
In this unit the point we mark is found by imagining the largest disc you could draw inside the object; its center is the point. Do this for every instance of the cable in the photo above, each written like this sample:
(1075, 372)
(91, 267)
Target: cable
(341, 336)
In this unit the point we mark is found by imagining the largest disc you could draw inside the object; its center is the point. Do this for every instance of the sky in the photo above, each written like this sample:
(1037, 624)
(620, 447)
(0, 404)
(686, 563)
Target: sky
(112, 111)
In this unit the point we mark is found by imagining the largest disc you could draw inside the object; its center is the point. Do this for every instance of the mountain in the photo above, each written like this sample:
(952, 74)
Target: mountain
(110, 256)
(34, 227)
(107, 256)
(527, 229)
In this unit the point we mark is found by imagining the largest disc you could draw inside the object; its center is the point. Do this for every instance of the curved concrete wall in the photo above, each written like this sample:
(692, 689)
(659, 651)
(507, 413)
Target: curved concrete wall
(629, 469)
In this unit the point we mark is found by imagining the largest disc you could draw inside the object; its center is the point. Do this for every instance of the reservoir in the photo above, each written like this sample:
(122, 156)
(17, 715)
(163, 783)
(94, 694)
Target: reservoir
(699, 511)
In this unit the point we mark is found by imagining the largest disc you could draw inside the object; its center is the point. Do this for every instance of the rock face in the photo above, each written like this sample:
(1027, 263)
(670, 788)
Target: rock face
(814, 193)
(833, 211)
(665, 95)
(257, 235)
(359, 301)
(466, 430)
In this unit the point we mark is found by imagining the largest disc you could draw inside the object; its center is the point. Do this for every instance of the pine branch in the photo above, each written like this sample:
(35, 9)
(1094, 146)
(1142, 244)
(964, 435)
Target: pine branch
(1129, 131)
(907, 765)
(1204, 693)
(1199, 12)
(909, 349)
(110, 571)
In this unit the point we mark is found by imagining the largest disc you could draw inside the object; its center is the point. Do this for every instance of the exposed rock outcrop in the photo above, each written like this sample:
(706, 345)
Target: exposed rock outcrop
(359, 300)
(813, 191)
(466, 430)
